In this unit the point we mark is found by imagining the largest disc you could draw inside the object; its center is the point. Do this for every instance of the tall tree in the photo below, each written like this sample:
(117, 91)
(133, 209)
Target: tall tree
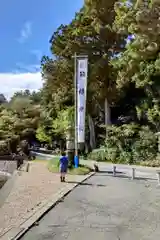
(139, 64)
(81, 36)
(102, 14)
(33, 96)
(2, 99)
(19, 120)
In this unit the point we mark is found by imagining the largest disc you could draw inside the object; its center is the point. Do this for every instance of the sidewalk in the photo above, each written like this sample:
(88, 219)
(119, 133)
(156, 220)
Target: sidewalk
(29, 192)
(104, 208)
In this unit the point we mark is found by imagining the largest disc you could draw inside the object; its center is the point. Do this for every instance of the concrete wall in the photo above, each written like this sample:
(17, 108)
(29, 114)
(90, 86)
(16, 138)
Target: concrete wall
(8, 166)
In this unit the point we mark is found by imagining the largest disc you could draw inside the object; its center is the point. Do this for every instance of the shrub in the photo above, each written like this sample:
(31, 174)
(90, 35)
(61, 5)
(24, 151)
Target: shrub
(154, 163)
(112, 153)
(129, 143)
(98, 155)
(145, 147)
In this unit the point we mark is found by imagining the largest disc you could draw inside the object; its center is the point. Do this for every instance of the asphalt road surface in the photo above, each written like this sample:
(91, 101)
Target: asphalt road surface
(104, 208)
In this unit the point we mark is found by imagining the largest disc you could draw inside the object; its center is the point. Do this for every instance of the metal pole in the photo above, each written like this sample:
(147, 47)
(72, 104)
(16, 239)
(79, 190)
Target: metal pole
(158, 177)
(114, 171)
(133, 173)
(75, 99)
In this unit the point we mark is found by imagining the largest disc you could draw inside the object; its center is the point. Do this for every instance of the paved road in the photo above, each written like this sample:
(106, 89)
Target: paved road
(103, 208)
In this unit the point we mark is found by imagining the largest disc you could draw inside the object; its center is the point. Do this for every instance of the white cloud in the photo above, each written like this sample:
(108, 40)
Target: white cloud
(13, 82)
(26, 32)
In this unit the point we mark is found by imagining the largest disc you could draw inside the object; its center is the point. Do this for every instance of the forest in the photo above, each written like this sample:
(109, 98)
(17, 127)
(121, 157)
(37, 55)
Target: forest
(122, 41)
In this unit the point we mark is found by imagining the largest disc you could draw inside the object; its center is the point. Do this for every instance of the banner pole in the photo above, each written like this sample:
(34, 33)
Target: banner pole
(80, 68)
(75, 99)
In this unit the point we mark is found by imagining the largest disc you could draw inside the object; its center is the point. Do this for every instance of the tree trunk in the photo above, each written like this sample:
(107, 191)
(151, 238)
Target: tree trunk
(107, 114)
(92, 139)
(70, 147)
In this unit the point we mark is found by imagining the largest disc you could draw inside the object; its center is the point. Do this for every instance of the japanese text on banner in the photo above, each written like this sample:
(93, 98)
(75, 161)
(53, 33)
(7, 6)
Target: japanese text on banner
(82, 72)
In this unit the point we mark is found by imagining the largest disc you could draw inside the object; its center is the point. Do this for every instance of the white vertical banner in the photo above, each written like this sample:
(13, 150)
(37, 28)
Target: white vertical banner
(82, 72)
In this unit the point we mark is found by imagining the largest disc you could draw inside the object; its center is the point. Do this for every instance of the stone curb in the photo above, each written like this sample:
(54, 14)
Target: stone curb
(17, 233)
(125, 166)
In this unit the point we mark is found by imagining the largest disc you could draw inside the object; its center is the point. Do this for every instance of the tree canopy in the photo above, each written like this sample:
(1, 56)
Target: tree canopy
(138, 65)
(121, 40)
(19, 119)
(101, 44)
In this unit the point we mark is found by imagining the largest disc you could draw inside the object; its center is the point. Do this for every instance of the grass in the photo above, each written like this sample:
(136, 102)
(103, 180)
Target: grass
(53, 166)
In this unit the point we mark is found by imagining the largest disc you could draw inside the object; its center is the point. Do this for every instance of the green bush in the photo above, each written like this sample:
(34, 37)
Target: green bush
(98, 155)
(153, 163)
(125, 157)
(129, 143)
(145, 147)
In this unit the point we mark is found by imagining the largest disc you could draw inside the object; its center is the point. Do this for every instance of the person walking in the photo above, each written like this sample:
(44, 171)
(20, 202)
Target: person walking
(63, 166)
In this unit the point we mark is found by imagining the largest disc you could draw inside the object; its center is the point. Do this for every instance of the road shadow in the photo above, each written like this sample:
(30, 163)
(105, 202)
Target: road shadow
(86, 184)
(136, 178)
(145, 178)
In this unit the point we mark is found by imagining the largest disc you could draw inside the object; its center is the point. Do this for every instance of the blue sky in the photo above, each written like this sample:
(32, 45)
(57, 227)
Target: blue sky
(26, 27)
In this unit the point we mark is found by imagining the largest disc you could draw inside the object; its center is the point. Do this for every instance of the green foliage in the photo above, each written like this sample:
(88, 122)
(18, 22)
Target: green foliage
(19, 119)
(145, 146)
(35, 97)
(125, 74)
(98, 155)
(64, 121)
(42, 136)
(138, 65)
(154, 163)
(127, 144)
(90, 32)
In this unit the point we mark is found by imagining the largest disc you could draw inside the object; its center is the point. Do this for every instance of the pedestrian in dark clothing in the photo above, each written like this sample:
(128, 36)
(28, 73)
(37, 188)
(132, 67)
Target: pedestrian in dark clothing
(63, 166)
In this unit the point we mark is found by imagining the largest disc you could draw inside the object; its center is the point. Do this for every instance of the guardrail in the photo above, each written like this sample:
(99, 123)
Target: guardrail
(133, 173)
(42, 150)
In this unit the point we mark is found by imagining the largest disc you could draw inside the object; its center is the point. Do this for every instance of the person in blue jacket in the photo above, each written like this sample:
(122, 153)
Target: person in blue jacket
(63, 166)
